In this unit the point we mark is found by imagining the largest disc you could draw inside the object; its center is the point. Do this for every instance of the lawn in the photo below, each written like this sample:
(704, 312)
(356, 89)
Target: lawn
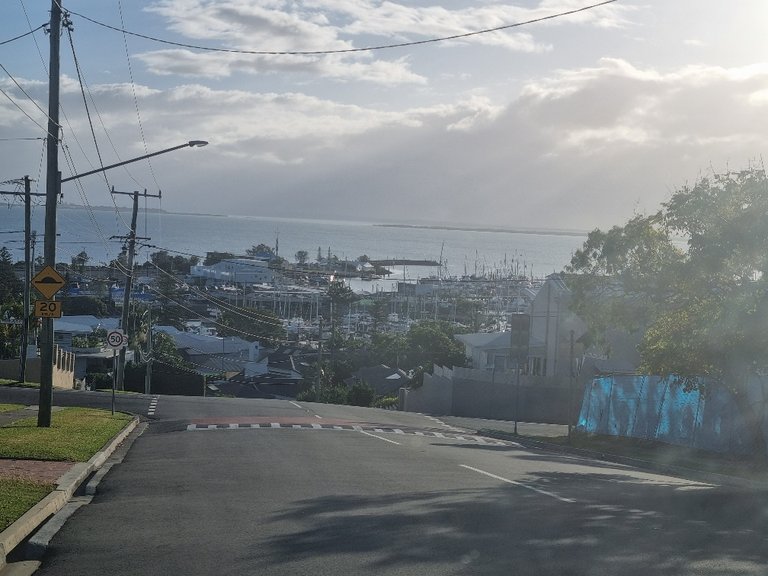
(5, 382)
(18, 496)
(75, 435)
(10, 407)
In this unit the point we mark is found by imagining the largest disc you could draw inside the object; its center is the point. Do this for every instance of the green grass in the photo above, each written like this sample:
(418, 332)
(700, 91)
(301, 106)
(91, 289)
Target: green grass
(18, 496)
(75, 435)
(4, 382)
(10, 407)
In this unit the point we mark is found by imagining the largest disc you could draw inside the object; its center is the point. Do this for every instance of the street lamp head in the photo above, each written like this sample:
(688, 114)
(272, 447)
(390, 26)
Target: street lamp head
(197, 143)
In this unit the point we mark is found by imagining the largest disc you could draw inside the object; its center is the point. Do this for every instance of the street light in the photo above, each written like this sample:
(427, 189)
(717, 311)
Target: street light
(53, 192)
(190, 144)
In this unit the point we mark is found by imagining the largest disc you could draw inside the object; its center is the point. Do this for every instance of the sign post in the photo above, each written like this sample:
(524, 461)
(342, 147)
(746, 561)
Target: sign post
(115, 339)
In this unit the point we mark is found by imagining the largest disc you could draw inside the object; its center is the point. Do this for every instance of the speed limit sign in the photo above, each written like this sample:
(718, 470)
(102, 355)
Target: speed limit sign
(116, 339)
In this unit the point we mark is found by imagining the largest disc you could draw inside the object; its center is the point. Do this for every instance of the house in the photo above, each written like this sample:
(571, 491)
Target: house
(552, 326)
(94, 356)
(210, 354)
(487, 350)
(384, 380)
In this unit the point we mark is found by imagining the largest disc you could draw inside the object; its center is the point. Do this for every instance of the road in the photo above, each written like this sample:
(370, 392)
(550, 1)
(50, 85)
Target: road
(230, 486)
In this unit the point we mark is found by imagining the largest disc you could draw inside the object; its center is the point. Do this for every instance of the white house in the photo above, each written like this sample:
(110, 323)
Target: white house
(236, 271)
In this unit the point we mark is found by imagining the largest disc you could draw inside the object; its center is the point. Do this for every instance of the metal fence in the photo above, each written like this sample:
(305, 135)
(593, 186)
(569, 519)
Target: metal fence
(656, 408)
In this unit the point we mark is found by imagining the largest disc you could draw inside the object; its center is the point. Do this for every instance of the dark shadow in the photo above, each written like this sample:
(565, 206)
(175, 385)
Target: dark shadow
(618, 524)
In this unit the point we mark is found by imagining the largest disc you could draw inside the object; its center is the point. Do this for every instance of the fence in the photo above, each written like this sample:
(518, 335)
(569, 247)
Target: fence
(656, 408)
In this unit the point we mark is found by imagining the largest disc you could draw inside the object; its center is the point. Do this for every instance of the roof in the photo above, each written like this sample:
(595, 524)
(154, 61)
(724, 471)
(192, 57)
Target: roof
(84, 324)
(204, 344)
(485, 339)
(383, 379)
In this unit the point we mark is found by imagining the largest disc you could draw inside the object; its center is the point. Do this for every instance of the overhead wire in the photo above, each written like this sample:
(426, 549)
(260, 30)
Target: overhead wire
(346, 50)
(135, 97)
(20, 36)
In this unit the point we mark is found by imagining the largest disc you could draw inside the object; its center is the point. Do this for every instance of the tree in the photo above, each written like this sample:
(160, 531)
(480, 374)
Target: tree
(11, 288)
(432, 342)
(252, 325)
(702, 311)
(261, 251)
(301, 257)
(212, 258)
(79, 305)
(79, 261)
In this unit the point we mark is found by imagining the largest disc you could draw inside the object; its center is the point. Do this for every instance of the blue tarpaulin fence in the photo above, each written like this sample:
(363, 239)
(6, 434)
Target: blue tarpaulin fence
(658, 408)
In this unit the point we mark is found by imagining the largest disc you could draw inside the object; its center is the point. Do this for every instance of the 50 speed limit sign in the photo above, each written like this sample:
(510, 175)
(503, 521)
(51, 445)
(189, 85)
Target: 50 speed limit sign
(116, 339)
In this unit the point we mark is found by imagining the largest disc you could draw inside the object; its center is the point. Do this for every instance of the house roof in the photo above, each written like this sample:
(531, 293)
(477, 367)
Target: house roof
(485, 339)
(383, 379)
(83, 324)
(204, 344)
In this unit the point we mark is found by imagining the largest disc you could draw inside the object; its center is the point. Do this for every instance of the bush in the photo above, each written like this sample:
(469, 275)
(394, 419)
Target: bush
(326, 394)
(98, 380)
(387, 402)
(361, 394)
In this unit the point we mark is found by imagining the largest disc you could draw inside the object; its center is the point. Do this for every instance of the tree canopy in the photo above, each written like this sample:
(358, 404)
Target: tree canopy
(690, 278)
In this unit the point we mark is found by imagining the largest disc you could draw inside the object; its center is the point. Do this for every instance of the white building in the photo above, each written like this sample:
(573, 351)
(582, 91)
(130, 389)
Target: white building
(236, 271)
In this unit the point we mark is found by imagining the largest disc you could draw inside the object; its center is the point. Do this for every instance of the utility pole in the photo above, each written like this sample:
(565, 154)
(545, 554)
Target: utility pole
(27, 279)
(53, 189)
(148, 373)
(129, 276)
(28, 263)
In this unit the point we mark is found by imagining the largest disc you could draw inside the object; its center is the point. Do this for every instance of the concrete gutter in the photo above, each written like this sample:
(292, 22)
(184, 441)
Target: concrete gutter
(681, 471)
(56, 500)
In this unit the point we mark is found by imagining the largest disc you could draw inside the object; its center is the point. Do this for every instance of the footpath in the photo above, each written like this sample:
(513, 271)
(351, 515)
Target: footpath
(41, 476)
(658, 457)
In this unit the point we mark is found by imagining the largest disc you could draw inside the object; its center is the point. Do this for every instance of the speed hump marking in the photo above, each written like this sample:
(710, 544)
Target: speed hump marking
(47, 309)
(116, 339)
(48, 282)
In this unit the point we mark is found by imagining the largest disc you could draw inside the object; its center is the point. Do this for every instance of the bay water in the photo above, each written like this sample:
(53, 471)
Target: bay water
(463, 250)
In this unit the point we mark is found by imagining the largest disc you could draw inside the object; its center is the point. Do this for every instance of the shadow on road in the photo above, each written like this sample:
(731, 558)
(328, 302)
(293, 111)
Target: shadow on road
(618, 525)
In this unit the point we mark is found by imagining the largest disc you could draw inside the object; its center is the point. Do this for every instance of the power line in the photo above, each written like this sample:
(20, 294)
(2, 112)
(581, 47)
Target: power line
(23, 35)
(347, 50)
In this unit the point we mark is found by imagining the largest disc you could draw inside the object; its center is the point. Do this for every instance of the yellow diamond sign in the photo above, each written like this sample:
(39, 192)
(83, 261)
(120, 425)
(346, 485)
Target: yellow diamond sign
(48, 282)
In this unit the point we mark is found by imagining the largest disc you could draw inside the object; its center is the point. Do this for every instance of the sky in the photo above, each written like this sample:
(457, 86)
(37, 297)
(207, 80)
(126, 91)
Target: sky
(575, 122)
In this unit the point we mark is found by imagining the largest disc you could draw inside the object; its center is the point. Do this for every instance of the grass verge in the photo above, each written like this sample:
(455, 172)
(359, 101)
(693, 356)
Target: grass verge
(4, 382)
(18, 496)
(75, 435)
(10, 407)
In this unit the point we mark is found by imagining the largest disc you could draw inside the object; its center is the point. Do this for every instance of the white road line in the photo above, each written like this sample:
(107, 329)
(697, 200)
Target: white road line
(211, 426)
(317, 426)
(438, 434)
(397, 431)
(419, 433)
(234, 426)
(318, 416)
(379, 437)
(357, 428)
(275, 424)
(379, 430)
(297, 425)
(508, 481)
(297, 405)
(191, 426)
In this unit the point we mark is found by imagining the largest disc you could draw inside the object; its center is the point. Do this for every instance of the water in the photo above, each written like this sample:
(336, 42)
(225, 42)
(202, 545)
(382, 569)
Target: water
(463, 251)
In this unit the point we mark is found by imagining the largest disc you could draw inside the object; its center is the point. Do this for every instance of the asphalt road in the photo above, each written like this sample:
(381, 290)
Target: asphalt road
(227, 486)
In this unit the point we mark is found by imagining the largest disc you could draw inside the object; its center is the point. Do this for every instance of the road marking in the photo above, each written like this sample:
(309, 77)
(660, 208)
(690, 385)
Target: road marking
(152, 406)
(318, 416)
(275, 424)
(521, 485)
(297, 405)
(397, 431)
(379, 437)
(317, 426)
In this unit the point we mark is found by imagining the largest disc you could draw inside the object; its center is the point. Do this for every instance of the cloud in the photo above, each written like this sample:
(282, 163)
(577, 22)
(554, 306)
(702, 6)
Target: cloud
(324, 25)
